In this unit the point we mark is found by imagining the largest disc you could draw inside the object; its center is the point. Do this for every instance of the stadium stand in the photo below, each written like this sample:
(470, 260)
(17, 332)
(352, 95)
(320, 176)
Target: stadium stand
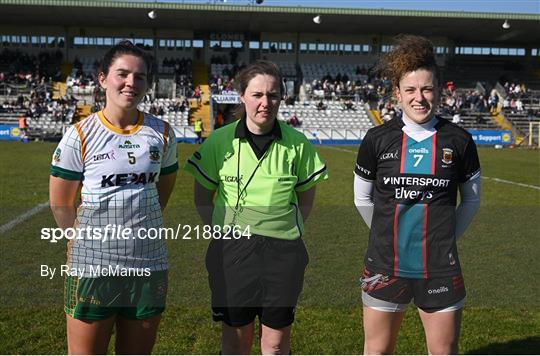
(334, 116)
(316, 71)
(492, 86)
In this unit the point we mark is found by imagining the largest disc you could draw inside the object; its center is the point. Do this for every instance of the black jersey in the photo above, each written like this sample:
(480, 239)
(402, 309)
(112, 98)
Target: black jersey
(415, 191)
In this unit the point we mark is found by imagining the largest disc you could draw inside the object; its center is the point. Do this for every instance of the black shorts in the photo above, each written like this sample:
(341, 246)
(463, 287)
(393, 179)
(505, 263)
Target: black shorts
(430, 295)
(259, 276)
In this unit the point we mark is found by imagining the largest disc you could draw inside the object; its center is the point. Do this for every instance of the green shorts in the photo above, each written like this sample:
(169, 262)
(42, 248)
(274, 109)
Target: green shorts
(102, 297)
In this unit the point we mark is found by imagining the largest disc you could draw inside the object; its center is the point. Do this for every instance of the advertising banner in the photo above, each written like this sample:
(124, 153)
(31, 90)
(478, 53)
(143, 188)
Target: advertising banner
(226, 99)
(492, 137)
(9, 132)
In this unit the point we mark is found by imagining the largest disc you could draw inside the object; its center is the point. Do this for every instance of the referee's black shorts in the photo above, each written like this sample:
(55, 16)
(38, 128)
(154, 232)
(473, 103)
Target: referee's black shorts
(259, 276)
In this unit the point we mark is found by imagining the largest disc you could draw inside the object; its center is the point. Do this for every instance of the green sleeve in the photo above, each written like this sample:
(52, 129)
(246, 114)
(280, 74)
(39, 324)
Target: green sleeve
(65, 173)
(310, 168)
(203, 165)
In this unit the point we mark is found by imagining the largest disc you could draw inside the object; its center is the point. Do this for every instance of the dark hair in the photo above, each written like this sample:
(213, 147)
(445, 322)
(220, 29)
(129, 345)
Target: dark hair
(243, 78)
(410, 53)
(126, 47)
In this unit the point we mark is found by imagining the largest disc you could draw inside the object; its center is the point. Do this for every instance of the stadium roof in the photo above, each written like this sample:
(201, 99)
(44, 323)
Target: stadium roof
(461, 27)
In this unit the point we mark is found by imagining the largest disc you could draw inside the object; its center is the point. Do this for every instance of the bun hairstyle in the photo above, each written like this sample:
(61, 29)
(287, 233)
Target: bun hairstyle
(242, 79)
(409, 54)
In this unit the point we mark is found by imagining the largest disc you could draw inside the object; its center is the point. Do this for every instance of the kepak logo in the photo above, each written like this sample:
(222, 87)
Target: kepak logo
(128, 145)
(118, 180)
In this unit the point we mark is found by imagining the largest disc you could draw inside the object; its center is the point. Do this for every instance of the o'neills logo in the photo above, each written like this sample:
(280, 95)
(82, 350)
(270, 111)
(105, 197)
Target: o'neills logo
(128, 145)
(439, 290)
(421, 150)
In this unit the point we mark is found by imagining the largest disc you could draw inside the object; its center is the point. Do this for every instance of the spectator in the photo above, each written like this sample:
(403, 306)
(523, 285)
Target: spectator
(519, 105)
(456, 119)
(493, 101)
(348, 105)
(198, 128)
(198, 94)
(23, 128)
(293, 121)
(480, 120)
(321, 106)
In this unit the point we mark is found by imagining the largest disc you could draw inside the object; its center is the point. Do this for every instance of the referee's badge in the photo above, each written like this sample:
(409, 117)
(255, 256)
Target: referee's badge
(447, 155)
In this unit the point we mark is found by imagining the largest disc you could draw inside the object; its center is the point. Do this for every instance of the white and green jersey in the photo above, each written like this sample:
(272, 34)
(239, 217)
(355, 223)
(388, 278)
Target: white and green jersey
(119, 170)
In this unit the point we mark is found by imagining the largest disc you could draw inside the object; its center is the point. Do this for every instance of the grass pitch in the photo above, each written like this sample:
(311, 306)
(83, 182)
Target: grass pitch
(499, 255)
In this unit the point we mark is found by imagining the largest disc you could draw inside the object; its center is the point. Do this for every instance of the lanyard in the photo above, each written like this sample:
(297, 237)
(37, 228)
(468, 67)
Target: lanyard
(239, 191)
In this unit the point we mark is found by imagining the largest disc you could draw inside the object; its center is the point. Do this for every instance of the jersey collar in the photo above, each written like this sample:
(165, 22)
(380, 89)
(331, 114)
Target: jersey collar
(243, 132)
(399, 122)
(118, 130)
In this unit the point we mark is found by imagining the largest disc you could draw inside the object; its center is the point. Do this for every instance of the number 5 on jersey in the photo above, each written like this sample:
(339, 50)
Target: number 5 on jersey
(131, 158)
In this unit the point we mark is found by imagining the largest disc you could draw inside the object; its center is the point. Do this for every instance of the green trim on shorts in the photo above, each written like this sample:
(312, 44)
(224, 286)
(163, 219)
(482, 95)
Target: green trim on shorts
(130, 297)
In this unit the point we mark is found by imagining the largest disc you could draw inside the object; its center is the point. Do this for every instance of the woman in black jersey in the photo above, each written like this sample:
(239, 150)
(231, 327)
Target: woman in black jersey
(407, 175)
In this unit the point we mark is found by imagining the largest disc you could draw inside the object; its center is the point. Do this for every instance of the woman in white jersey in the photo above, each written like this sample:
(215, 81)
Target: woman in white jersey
(125, 163)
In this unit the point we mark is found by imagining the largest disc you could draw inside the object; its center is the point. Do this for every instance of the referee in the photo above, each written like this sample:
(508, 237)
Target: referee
(257, 176)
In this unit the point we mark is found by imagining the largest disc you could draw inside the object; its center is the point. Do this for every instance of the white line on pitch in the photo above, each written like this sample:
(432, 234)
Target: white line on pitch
(27, 215)
(513, 183)
(338, 149)
(483, 177)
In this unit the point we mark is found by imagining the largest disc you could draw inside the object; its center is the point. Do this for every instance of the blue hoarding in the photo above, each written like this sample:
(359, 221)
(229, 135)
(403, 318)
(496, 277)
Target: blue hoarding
(491, 137)
(9, 132)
